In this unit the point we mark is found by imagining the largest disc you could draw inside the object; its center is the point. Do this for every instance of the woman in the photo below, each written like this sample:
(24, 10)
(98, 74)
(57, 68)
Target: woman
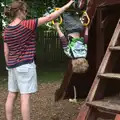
(19, 51)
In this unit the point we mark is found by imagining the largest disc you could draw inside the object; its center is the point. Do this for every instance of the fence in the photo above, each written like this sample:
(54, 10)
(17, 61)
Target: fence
(48, 47)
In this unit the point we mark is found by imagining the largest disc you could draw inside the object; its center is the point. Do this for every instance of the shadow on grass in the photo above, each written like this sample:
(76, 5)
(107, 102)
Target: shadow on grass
(3, 78)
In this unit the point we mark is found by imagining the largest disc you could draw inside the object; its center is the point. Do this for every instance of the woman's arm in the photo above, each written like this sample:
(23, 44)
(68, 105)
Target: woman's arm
(54, 15)
(6, 52)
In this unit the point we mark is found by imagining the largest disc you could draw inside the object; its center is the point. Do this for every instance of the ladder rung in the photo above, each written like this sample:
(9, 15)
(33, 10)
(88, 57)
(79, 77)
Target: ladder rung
(110, 75)
(117, 48)
(105, 106)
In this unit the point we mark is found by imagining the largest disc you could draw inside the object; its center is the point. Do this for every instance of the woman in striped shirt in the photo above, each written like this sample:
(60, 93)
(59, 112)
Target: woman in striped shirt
(19, 50)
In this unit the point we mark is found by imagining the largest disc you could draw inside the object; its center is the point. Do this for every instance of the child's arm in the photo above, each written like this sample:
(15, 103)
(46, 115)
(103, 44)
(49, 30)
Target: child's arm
(62, 37)
(60, 33)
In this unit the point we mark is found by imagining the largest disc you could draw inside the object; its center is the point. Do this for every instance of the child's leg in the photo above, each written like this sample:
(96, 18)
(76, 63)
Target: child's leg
(86, 35)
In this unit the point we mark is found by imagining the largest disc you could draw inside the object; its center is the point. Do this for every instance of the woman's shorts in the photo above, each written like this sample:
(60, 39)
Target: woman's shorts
(23, 79)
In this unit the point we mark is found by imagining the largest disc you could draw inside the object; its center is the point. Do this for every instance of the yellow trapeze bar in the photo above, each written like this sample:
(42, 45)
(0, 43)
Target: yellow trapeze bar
(82, 19)
(60, 22)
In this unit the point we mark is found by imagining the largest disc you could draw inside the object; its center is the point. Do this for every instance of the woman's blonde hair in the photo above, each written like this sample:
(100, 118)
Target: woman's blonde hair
(11, 11)
(80, 65)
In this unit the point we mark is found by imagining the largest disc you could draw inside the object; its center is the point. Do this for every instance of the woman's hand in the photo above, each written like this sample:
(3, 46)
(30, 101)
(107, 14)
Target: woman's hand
(70, 3)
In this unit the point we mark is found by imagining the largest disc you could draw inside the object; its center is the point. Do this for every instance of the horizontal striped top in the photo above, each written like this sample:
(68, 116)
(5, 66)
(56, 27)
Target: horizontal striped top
(21, 42)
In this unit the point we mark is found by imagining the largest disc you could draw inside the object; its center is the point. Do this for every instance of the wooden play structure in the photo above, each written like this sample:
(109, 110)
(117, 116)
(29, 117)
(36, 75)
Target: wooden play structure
(104, 16)
(103, 99)
(99, 100)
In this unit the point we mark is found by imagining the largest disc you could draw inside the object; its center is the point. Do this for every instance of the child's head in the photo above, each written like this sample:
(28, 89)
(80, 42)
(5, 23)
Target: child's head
(80, 65)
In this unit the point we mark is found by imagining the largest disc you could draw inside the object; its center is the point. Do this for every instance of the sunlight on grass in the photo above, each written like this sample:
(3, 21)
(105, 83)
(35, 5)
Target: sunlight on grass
(51, 72)
(50, 76)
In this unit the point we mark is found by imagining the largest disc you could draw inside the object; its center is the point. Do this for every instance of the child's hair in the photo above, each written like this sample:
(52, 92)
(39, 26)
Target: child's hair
(11, 11)
(79, 65)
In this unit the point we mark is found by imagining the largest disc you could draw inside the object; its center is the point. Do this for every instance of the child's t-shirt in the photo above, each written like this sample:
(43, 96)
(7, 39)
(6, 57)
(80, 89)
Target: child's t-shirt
(75, 47)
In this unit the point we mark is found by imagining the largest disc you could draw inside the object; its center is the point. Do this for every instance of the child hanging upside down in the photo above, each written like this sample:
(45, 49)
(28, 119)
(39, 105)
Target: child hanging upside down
(73, 45)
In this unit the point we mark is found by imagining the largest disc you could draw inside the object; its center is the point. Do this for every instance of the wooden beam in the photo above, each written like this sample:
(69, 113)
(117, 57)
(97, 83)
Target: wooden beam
(110, 76)
(105, 106)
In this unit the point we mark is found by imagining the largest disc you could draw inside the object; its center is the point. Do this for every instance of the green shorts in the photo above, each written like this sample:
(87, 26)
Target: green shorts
(23, 79)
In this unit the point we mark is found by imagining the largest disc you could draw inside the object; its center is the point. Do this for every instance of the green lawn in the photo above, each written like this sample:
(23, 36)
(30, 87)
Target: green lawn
(49, 76)
(51, 73)
(46, 74)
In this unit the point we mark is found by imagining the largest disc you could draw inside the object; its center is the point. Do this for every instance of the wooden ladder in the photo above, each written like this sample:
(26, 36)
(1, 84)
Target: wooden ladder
(97, 106)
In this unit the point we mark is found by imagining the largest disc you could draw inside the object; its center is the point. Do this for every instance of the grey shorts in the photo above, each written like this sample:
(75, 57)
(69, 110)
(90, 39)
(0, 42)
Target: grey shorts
(23, 79)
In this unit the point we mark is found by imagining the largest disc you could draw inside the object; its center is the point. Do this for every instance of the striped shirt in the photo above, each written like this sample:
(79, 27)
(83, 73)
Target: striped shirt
(21, 42)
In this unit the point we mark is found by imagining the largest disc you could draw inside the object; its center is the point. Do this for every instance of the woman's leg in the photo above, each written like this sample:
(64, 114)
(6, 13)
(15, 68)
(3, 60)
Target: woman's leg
(25, 106)
(9, 105)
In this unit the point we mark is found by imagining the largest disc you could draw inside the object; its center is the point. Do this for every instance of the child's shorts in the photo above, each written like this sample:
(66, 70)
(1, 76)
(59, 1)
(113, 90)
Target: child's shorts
(23, 79)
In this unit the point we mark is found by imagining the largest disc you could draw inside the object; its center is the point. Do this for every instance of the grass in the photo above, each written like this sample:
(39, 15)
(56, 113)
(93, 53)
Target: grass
(46, 74)
(51, 73)
(48, 77)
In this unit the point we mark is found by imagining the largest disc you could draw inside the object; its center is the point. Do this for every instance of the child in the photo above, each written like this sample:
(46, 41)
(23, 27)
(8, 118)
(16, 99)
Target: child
(73, 45)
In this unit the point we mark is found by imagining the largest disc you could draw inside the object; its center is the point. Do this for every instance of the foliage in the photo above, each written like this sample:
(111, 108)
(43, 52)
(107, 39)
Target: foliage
(36, 8)
(39, 8)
